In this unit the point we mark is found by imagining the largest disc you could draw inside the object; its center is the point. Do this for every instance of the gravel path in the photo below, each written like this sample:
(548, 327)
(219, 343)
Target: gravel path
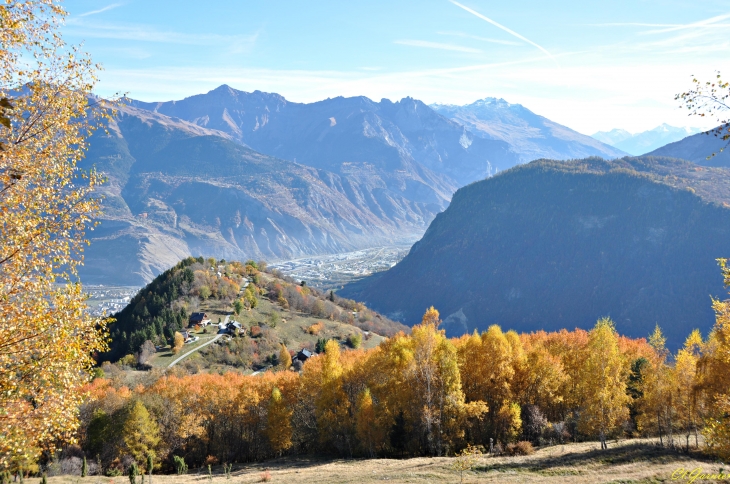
(179, 359)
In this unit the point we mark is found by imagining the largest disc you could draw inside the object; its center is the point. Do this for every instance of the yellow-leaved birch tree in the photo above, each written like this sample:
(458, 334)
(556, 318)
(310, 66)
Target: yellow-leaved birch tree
(602, 385)
(47, 340)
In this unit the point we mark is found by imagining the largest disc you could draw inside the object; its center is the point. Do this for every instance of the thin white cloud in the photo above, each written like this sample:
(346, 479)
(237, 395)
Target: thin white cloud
(437, 45)
(483, 39)
(145, 33)
(707, 23)
(632, 24)
(500, 26)
(94, 12)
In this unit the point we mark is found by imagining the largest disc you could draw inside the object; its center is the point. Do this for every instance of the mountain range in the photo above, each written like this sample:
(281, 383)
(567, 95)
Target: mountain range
(176, 189)
(550, 245)
(644, 142)
(251, 175)
(530, 135)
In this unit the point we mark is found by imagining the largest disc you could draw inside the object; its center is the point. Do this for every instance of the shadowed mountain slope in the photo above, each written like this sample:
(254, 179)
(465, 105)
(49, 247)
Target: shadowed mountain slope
(698, 148)
(550, 245)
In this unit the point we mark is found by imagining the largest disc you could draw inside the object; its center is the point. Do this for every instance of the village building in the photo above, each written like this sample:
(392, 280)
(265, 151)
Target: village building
(199, 318)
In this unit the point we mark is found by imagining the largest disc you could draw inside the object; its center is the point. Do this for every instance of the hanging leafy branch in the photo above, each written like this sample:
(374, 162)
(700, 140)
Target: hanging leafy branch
(709, 99)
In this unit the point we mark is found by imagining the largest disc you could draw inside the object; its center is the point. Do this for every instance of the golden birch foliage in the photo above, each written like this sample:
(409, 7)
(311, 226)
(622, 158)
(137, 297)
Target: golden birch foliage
(509, 422)
(486, 368)
(284, 358)
(685, 377)
(659, 388)
(543, 379)
(46, 337)
(369, 433)
(602, 385)
(177, 342)
(140, 432)
(716, 379)
(390, 385)
(278, 423)
(331, 404)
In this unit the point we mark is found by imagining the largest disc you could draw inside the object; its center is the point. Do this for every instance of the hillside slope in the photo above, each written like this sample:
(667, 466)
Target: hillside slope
(697, 148)
(176, 189)
(273, 309)
(550, 245)
(530, 135)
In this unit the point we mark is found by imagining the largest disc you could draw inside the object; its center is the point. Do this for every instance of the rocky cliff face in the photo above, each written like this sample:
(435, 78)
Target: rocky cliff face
(178, 189)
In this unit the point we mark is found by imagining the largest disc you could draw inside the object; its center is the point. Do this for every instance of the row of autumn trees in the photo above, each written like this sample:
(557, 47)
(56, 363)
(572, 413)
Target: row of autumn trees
(425, 394)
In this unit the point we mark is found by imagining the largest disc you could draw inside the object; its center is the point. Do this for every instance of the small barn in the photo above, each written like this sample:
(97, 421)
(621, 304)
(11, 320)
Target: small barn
(304, 355)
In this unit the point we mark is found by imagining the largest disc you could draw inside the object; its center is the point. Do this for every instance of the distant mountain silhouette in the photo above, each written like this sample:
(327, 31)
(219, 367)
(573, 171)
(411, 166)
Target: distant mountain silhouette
(645, 142)
(698, 148)
(551, 245)
(530, 135)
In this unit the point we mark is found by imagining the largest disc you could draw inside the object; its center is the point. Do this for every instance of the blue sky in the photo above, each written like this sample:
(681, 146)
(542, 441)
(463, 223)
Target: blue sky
(589, 65)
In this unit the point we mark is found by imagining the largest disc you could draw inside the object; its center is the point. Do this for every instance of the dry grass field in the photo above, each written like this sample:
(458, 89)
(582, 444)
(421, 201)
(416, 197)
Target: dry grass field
(630, 461)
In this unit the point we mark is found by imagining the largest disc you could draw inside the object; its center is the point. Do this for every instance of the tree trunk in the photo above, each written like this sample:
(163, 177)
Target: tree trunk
(659, 429)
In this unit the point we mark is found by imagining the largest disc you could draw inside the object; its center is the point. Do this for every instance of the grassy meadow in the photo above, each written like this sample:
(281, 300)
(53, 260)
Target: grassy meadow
(628, 461)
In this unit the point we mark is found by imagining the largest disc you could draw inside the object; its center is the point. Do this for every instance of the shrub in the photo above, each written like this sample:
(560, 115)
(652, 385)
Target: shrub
(180, 466)
(133, 472)
(84, 468)
(319, 347)
(211, 460)
(178, 343)
(533, 423)
(520, 448)
(315, 328)
(274, 319)
(265, 476)
(255, 331)
(145, 352)
(354, 340)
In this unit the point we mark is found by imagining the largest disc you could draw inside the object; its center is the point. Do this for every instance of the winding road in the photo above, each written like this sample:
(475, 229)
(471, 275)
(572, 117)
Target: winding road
(216, 338)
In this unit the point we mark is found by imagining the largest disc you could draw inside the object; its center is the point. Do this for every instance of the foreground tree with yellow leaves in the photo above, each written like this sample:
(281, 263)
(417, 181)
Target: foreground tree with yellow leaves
(715, 380)
(602, 386)
(46, 339)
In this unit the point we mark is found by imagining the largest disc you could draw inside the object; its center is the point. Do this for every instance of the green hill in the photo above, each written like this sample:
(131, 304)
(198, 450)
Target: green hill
(549, 245)
(272, 309)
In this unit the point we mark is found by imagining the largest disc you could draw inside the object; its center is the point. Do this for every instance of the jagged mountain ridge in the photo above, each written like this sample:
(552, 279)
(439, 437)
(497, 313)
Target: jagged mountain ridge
(550, 244)
(177, 189)
(530, 135)
(403, 136)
